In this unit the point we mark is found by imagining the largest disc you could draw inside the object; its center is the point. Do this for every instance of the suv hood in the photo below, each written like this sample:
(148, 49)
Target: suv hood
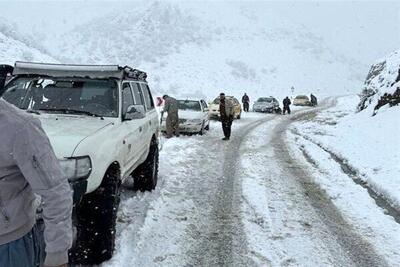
(66, 132)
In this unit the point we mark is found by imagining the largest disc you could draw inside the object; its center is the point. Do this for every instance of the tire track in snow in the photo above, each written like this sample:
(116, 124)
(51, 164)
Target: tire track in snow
(380, 200)
(224, 242)
(358, 249)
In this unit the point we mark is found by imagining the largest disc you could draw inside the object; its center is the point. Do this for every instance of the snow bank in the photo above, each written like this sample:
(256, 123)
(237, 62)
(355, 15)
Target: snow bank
(368, 143)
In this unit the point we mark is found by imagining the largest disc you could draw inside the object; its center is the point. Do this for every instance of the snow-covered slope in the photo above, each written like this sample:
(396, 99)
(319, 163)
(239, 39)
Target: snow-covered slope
(14, 46)
(202, 49)
(383, 78)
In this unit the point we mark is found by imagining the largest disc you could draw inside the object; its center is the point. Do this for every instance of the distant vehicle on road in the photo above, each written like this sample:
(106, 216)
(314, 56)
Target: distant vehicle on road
(214, 108)
(301, 100)
(193, 116)
(267, 104)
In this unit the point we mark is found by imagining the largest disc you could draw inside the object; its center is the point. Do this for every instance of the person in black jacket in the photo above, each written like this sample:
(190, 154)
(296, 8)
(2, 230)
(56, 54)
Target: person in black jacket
(313, 100)
(286, 105)
(246, 102)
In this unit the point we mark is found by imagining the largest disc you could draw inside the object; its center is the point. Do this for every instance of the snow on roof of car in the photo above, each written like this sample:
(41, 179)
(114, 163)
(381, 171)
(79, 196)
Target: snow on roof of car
(78, 71)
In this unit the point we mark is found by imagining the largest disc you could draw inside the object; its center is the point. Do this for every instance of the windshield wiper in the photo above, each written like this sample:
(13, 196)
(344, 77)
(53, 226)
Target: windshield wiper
(71, 111)
(33, 111)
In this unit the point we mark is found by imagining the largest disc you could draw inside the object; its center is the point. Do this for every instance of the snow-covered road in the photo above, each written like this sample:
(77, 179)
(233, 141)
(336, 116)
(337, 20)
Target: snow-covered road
(252, 201)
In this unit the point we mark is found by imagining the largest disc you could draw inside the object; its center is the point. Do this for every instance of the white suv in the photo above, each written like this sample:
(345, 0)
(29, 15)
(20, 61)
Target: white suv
(104, 128)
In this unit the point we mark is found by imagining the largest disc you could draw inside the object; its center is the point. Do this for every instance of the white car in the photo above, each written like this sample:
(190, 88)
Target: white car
(301, 100)
(103, 126)
(193, 116)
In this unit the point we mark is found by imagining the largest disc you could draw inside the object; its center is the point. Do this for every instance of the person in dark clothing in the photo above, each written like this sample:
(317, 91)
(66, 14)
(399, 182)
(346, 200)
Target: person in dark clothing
(171, 106)
(313, 100)
(246, 102)
(286, 105)
(5, 71)
(226, 111)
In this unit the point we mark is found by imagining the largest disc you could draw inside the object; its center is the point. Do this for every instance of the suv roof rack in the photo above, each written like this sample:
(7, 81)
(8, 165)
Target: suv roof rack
(78, 71)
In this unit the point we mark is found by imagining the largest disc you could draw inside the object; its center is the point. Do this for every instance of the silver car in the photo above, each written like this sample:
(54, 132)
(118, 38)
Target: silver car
(267, 105)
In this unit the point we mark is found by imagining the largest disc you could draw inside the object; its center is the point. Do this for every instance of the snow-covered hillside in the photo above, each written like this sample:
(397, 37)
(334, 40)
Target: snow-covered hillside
(196, 49)
(383, 78)
(15, 46)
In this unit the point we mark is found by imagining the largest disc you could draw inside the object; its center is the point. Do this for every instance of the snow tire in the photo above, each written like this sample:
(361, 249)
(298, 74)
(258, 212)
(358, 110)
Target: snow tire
(146, 174)
(96, 220)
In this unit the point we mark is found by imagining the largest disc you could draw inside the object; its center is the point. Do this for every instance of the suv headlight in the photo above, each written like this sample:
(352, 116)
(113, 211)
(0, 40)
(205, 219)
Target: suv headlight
(76, 168)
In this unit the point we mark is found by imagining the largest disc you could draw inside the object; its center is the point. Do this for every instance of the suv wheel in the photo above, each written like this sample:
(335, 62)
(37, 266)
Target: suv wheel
(146, 174)
(96, 220)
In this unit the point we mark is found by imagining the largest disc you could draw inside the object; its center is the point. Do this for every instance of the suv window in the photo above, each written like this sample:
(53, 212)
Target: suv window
(137, 94)
(147, 96)
(127, 97)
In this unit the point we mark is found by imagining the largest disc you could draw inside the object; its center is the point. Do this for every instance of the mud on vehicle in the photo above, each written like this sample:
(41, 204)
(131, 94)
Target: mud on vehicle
(103, 126)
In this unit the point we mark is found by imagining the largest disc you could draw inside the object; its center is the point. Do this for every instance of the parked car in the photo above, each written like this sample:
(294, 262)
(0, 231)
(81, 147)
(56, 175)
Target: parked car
(267, 104)
(193, 116)
(214, 108)
(301, 100)
(103, 126)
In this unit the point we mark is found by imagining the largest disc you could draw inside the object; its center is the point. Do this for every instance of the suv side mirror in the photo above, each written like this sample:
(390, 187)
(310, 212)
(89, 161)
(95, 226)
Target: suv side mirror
(135, 112)
(206, 109)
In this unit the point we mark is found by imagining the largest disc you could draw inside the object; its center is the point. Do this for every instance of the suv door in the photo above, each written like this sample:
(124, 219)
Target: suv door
(151, 112)
(133, 129)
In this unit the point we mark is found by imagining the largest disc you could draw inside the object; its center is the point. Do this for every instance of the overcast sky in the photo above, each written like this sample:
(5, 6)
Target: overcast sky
(364, 30)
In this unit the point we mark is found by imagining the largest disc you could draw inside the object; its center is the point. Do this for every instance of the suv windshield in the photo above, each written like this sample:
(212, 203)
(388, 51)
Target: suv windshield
(302, 97)
(89, 97)
(189, 105)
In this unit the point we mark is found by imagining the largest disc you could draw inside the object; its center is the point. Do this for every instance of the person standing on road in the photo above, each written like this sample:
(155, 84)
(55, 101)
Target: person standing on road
(313, 100)
(28, 166)
(171, 106)
(226, 111)
(286, 105)
(246, 102)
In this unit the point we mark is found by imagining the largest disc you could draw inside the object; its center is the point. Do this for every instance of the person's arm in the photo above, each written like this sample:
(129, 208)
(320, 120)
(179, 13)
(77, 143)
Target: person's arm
(36, 160)
(166, 105)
